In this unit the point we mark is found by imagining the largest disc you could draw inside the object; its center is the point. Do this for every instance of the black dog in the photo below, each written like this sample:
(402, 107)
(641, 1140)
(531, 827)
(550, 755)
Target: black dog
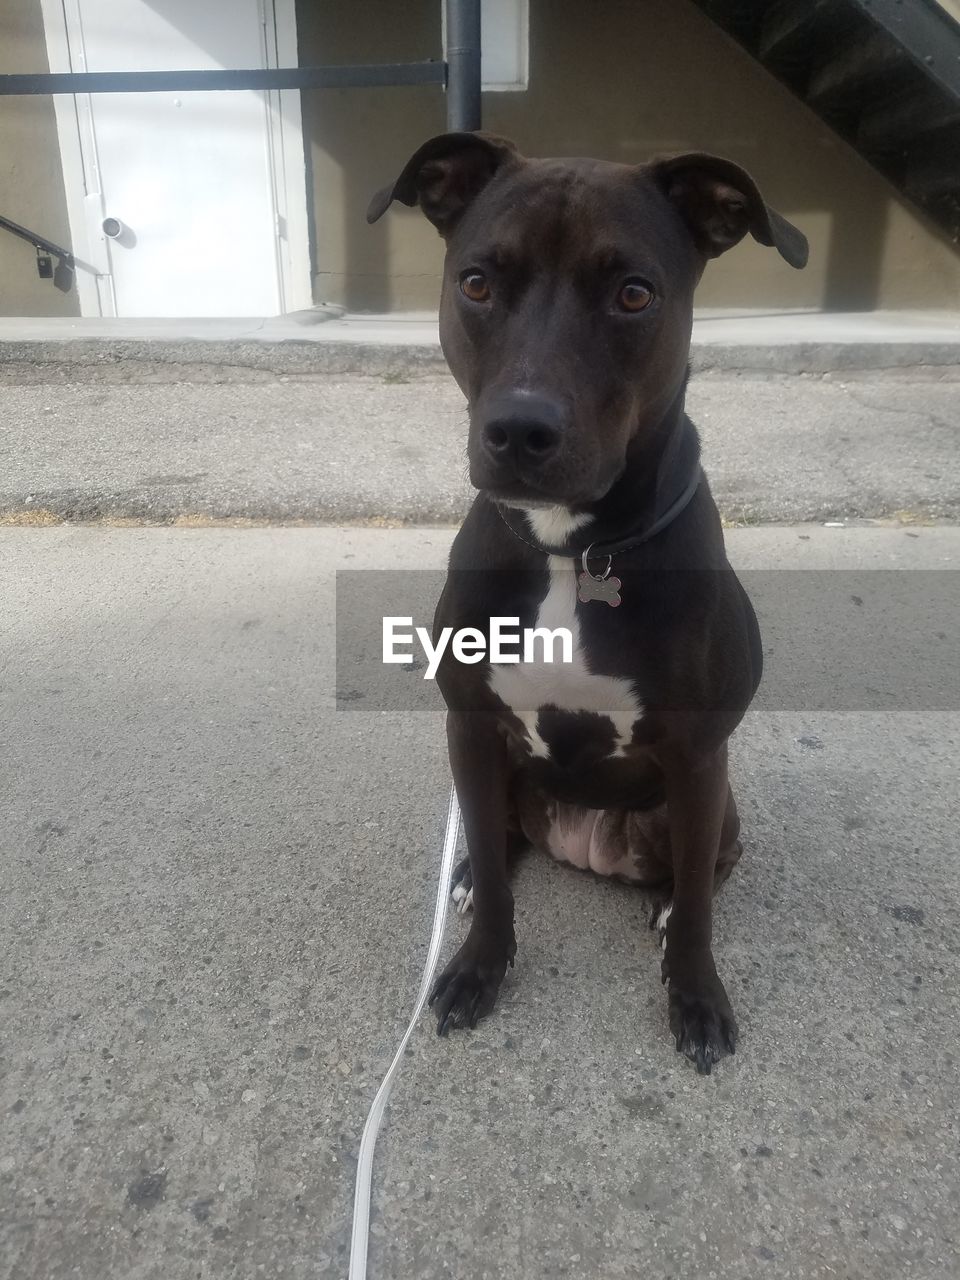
(565, 318)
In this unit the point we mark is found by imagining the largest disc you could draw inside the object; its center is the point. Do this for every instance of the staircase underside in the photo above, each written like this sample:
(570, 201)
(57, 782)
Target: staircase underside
(883, 74)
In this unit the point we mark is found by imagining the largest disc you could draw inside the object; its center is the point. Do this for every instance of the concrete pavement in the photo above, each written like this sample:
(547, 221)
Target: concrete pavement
(267, 447)
(216, 894)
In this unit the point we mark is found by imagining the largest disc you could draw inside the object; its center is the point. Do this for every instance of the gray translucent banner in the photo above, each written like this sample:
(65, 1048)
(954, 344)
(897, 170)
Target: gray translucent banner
(833, 639)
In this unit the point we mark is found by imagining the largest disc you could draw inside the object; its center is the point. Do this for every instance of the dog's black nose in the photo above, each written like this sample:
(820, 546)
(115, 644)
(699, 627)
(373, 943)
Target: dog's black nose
(525, 427)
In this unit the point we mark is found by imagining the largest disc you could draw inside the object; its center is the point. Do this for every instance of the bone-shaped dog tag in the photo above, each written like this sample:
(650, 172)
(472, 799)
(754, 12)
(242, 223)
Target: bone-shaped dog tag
(590, 587)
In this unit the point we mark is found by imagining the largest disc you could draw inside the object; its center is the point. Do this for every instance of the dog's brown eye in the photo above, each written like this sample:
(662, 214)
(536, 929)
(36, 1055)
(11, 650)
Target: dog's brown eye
(635, 296)
(473, 285)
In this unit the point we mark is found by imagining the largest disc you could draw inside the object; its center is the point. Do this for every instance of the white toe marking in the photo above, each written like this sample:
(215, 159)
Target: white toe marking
(463, 898)
(662, 919)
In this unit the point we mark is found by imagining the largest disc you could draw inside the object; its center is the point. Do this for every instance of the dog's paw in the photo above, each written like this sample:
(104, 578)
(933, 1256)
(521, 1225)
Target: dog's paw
(702, 1021)
(461, 887)
(467, 989)
(658, 920)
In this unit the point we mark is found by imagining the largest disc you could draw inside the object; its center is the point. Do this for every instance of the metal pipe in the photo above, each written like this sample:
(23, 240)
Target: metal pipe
(360, 77)
(463, 65)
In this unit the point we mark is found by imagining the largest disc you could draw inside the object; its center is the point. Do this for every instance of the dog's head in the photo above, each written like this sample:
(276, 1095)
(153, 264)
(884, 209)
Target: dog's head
(567, 298)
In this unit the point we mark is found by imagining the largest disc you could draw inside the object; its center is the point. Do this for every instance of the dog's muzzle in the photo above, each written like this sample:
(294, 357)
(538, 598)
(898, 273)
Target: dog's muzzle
(520, 432)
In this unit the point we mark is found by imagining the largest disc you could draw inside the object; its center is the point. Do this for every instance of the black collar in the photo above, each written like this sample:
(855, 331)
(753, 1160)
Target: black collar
(681, 499)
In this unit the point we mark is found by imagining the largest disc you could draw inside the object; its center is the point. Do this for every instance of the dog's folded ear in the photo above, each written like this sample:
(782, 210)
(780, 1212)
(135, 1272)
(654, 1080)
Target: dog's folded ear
(720, 203)
(444, 175)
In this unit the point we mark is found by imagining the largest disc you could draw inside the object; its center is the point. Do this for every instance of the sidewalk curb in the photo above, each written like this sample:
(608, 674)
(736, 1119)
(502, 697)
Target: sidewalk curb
(145, 508)
(121, 360)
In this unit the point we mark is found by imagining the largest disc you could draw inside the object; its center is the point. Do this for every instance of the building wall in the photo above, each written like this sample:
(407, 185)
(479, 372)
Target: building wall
(617, 79)
(31, 181)
(624, 81)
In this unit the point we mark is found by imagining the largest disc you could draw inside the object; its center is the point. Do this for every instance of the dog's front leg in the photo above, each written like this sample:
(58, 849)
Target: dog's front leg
(467, 989)
(701, 1018)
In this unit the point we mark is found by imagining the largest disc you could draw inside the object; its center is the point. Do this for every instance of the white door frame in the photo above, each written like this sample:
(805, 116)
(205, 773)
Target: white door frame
(78, 154)
(288, 166)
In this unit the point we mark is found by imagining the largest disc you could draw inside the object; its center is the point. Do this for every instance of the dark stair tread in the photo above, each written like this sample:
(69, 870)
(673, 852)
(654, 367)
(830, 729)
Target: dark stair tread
(894, 125)
(741, 18)
(792, 30)
(925, 31)
(874, 65)
(933, 176)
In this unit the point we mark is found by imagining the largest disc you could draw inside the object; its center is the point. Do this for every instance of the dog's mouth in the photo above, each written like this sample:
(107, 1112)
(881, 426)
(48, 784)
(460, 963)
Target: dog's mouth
(529, 485)
(526, 502)
(521, 495)
(519, 491)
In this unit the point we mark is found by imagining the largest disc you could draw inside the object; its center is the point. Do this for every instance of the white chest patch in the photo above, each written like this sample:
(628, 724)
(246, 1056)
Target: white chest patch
(553, 525)
(526, 687)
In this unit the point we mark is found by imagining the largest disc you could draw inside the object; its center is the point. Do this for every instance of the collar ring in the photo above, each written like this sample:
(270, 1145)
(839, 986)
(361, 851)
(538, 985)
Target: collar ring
(599, 577)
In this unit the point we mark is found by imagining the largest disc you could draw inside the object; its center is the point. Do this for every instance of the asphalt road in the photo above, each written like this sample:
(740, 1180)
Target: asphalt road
(216, 895)
(274, 448)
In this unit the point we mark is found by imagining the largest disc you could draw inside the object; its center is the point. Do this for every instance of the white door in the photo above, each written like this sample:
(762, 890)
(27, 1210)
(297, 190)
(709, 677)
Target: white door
(189, 205)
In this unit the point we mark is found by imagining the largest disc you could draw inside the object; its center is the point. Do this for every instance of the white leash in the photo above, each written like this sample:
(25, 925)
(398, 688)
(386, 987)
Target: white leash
(368, 1141)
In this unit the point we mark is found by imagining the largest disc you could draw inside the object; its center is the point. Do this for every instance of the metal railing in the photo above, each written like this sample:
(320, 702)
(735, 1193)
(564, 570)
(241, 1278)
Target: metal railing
(459, 75)
(40, 243)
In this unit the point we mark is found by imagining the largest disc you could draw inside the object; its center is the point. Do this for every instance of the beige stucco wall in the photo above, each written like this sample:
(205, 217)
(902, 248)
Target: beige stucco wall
(31, 181)
(624, 81)
(621, 80)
